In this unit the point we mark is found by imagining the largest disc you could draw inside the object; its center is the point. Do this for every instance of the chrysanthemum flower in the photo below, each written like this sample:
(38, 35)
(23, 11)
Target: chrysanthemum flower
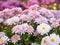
(20, 29)
(54, 39)
(12, 20)
(55, 24)
(45, 12)
(41, 19)
(30, 29)
(4, 40)
(45, 41)
(43, 28)
(25, 18)
(15, 38)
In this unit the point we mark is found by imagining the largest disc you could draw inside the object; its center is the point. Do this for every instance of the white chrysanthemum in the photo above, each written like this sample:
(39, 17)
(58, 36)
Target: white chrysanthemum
(45, 41)
(54, 39)
(43, 28)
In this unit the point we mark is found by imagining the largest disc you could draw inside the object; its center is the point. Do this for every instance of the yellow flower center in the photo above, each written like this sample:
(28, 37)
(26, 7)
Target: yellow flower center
(12, 19)
(26, 17)
(1, 40)
(41, 19)
(43, 10)
(52, 39)
(29, 28)
(45, 42)
(43, 28)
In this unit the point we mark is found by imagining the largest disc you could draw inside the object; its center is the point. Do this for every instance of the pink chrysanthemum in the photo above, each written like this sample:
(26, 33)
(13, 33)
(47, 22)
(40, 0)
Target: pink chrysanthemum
(15, 38)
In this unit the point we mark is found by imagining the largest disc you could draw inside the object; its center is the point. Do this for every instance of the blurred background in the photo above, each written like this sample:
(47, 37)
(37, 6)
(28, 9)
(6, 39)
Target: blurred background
(50, 4)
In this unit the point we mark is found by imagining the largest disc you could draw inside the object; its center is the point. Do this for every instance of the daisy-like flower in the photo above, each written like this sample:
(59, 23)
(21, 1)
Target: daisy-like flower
(25, 18)
(34, 14)
(16, 29)
(45, 12)
(20, 29)
(54, 39)
(43, 28)
(15, 38)
(41, 19)
(45, 40)
(55, 24)
(30, 29)
(4, 40)
(12, 20)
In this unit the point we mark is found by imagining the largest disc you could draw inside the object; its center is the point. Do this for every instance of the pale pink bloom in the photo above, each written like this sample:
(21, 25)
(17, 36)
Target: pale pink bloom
(30, 29)
(45, 41)
(12, 20)
(15, 38)
(7, 13)
(55, 24)
(34, 14)
(41, 19)
(27, 28)
(18, 29)
(45, 12)
(25, 18)
(21, 29)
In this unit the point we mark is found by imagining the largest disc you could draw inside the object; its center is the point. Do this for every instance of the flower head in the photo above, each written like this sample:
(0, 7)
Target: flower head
(43, 28)
(45, 40)
(15, 38)
(54, 39)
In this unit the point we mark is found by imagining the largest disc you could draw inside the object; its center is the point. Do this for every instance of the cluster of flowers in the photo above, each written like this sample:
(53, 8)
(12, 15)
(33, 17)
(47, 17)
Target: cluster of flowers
(34, 21)
(12, 4)
(47, 2)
